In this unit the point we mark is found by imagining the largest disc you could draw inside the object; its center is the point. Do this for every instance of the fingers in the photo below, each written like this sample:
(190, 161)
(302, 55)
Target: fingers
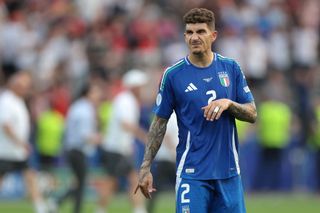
(150, 192)
(137, 188)
(218, 115)
(212, 112)
(145, 191)
(145, 183)
(214, 109)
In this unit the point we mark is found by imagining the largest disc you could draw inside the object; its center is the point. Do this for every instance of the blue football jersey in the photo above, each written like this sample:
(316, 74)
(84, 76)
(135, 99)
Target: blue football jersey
(207, 149)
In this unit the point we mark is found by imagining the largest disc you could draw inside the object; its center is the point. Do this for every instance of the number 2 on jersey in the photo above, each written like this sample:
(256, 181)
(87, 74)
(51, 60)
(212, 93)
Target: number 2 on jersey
(213, 95)
(184, 192)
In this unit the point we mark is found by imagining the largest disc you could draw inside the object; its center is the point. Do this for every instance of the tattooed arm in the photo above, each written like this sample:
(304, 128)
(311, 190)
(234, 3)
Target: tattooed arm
(155, 137)
(244, 112)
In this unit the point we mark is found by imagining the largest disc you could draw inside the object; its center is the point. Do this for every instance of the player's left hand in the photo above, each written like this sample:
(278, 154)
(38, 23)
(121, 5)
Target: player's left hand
(215, 108)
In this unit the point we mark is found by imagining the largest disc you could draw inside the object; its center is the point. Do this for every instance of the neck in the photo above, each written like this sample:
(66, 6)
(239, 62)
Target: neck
(201, 60)
(14, 90)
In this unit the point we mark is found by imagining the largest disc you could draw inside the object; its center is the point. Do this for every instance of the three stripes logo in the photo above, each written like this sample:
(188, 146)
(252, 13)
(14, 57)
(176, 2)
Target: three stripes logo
(191, 87)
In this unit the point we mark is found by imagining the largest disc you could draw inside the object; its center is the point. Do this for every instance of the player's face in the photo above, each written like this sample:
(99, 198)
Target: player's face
(199, 37)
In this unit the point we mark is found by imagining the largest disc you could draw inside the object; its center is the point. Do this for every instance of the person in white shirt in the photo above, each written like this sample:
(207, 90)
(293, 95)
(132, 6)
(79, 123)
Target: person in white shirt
(14, 134)
(117, 146)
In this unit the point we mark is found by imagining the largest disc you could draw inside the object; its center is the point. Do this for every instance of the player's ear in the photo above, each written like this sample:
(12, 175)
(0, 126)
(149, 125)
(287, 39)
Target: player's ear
(214, 35)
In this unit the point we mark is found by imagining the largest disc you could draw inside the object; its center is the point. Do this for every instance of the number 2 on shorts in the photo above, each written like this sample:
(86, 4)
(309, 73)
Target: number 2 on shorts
(186, 190)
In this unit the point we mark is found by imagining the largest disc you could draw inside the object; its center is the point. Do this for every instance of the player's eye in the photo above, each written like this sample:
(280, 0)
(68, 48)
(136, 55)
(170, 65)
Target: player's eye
(201, 32)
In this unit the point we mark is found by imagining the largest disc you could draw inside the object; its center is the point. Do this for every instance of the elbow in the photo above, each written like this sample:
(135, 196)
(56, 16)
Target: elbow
(253, 118)
(253, 113)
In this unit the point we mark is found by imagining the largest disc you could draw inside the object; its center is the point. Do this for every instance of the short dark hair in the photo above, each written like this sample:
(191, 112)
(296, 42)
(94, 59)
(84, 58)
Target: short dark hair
(200, 15)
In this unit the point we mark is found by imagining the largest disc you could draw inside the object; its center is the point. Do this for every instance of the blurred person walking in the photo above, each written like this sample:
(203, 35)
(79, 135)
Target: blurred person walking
(49, 133)
(273, 131)
(118, 144)
(14, 135)
(81, 137)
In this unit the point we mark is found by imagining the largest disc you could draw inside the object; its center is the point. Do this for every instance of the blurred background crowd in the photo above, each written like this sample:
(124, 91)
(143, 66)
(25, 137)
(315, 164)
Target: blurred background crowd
(65, 44)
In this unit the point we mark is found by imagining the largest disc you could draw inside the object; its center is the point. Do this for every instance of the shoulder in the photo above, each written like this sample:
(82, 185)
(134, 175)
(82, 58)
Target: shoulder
(124, 98)
(172, 70)
(225, 60)
(9, 100)
(229, 63)
(7, 94)
(176, 67)
(79, 105)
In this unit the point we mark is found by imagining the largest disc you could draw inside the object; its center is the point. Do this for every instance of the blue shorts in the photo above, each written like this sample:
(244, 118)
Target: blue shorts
(210, 196)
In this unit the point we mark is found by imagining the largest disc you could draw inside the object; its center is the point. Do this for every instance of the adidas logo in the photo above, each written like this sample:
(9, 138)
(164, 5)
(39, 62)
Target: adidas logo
(191, 87)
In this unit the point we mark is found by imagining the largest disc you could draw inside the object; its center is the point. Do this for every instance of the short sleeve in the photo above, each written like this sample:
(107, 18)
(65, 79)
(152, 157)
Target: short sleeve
(243, 93)
(165, 99)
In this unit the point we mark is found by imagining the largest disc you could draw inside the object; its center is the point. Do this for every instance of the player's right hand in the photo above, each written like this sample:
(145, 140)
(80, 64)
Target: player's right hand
(145, 183)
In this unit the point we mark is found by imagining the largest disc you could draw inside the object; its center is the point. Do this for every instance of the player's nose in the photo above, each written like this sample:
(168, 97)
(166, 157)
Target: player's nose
(194, 37)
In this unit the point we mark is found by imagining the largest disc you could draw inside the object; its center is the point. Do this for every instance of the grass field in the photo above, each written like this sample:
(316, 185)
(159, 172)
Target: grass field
(256, 203)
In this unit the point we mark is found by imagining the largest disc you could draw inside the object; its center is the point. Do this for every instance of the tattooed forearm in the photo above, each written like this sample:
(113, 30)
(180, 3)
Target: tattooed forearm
(244, 112)
(155, 137)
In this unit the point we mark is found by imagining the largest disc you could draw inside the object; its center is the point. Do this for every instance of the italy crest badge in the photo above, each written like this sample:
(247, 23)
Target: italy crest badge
(224, 78)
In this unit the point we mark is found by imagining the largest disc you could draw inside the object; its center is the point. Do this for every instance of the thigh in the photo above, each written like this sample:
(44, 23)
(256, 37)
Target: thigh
(7, 166)
(47, 163)
(228, 196)
(192, 196)
(116, 165)
(77, 161)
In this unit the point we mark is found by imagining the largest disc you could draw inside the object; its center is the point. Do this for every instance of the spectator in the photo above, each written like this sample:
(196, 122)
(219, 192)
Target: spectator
(81, 137)
(274, 128)
(117, 147)
(49, 131)
(14, 135)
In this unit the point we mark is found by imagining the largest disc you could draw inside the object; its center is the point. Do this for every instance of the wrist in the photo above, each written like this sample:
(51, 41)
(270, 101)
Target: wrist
(18, 142)
(229, 103)
(146, 166)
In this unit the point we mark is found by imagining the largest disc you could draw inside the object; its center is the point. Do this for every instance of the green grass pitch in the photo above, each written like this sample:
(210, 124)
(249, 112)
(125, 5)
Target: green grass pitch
(256, 203)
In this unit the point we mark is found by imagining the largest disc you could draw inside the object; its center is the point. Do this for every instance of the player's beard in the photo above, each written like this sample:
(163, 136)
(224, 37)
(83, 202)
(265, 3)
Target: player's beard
(196, 51)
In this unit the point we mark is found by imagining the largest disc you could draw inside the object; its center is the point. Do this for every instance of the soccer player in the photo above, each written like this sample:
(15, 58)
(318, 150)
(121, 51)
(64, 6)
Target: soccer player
(207, 92)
